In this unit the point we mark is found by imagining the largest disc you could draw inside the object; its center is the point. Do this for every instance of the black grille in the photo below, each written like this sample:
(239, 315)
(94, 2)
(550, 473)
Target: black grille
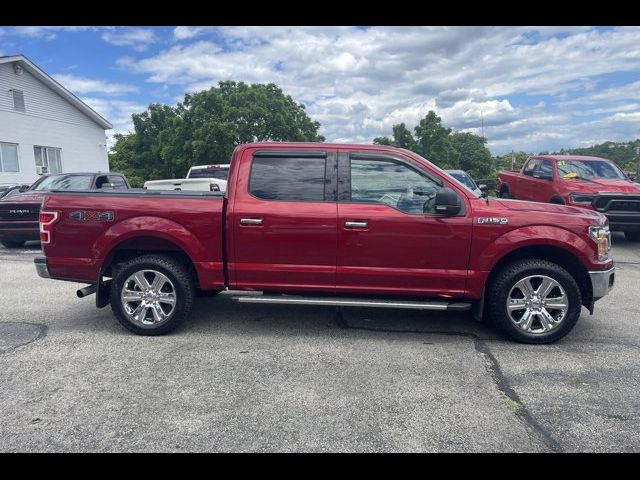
(19, 212)
(617, 203)
(625, 206)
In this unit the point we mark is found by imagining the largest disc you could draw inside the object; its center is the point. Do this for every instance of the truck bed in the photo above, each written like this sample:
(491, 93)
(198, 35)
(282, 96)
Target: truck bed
(100, 223)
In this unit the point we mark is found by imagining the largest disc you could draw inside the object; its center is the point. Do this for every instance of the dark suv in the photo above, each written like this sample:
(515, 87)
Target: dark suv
(19, 212)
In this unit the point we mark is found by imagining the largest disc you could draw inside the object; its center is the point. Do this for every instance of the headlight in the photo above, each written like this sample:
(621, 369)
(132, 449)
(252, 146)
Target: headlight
(602, 236)
(580, 199)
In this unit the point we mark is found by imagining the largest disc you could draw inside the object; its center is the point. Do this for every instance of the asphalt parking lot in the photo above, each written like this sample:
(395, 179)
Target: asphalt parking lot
(240, 377)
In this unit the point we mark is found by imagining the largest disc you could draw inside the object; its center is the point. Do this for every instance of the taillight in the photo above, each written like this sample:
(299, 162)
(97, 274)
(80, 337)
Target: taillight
(47, 220)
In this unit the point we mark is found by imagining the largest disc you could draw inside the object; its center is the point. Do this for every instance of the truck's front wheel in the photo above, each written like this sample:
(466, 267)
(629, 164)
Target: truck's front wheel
(151, 294)
(534, 301)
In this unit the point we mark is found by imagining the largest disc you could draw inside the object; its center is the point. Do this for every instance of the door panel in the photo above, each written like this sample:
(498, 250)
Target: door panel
(280, 243)
(395, 248)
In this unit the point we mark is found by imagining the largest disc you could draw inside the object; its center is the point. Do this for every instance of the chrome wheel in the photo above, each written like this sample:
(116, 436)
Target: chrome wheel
(148, 297)
(537, 304)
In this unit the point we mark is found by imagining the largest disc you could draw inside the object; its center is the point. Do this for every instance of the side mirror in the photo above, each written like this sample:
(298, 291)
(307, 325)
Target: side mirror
(107, 186)
(447, 202)
(23, 188)
(482, 187)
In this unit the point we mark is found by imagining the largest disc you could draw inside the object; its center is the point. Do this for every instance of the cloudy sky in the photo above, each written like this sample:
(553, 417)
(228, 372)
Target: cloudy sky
(537, 88)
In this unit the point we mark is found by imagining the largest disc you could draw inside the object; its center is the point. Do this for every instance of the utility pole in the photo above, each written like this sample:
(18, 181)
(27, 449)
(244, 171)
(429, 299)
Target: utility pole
(637, 164)
(513, 160)
(482, 122)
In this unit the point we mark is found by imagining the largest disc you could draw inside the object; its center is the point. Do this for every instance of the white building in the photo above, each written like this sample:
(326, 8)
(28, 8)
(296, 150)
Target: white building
(44, 128)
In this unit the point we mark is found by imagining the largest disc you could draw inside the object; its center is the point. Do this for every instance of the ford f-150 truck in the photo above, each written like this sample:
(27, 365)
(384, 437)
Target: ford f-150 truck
(330, 224)
(588, 182)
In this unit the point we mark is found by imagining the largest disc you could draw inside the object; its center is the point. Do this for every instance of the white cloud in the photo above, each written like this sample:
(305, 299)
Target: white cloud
(137, 38)
(118, 112)
(80, 85)
(42, 32)
(185, 33)
(359, 82)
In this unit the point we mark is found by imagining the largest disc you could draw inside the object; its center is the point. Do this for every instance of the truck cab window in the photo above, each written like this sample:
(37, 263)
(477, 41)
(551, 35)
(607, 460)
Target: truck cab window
(392, 183)
(545, 169)
(531, 167)
(293, 179)
(117, 181)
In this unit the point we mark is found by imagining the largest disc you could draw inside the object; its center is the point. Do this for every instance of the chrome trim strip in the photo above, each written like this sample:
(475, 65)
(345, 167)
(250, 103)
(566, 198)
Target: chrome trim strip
(347, 302)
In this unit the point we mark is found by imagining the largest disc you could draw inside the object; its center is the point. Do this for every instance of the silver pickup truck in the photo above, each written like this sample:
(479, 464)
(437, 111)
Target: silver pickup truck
(202, 178)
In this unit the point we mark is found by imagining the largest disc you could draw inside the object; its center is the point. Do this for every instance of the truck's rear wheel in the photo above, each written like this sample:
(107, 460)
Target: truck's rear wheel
(632, 236)
(534, 301)
(152, 294)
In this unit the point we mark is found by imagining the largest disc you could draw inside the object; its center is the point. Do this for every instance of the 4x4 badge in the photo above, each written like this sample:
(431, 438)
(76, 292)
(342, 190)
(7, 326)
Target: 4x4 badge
(493, 220)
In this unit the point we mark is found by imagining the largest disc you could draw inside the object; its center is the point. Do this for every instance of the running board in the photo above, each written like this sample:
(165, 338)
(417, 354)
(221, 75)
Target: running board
(354, 302)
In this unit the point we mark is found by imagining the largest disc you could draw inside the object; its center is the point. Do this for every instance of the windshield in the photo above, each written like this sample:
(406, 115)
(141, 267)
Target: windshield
(213, 172)
(568, 169)
(63, 182)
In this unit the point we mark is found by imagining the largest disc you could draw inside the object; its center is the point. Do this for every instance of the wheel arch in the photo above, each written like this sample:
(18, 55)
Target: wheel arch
(553, 253)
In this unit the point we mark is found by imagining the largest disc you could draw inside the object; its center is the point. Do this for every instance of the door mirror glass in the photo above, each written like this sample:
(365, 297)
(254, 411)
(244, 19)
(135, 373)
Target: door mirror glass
(24, 188)
(482, 187)
(447, 202)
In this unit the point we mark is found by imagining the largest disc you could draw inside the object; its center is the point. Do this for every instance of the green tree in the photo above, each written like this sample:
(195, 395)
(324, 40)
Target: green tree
(434, 143)
(402, 138)
(503, 162)
(206, 127)
(473, 155)
(440, 146)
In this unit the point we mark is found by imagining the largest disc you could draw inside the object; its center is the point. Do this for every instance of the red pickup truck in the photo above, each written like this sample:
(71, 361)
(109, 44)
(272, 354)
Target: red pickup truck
(588, 182)
(330, 224)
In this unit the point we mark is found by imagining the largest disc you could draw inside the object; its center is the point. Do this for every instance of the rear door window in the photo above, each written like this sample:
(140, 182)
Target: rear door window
(295, 179)
(531, 167)
(544, 169)
(117, 181)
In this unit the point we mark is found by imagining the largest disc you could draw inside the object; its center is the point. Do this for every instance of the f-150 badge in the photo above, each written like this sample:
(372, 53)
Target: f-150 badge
(493, 220)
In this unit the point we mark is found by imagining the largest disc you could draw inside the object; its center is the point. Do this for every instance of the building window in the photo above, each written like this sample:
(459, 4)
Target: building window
(48, 160)
(18, 100)
(9, 158)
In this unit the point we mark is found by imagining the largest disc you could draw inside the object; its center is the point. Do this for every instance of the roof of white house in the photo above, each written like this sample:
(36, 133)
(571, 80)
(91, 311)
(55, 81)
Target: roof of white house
(56, 87)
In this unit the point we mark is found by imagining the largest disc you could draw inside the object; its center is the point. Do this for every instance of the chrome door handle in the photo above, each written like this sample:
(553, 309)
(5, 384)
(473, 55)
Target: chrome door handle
(250, 221)
(351, 224)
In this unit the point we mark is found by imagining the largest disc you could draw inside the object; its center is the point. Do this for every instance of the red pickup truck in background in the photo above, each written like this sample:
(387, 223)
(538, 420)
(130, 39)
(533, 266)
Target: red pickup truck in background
(588, 182)
(330, 224)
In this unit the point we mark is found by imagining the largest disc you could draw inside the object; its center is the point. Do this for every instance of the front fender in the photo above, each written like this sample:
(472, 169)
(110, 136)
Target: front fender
(532, 235)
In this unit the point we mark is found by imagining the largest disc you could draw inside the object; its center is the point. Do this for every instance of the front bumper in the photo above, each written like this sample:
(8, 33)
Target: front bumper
(602, 282)
(41, 267)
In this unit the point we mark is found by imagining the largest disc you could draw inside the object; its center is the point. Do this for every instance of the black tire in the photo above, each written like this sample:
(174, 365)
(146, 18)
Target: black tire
(505, 280)
(207, 293)
(632, 236)
(175, 272)
(13, 243)
(504, 193)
